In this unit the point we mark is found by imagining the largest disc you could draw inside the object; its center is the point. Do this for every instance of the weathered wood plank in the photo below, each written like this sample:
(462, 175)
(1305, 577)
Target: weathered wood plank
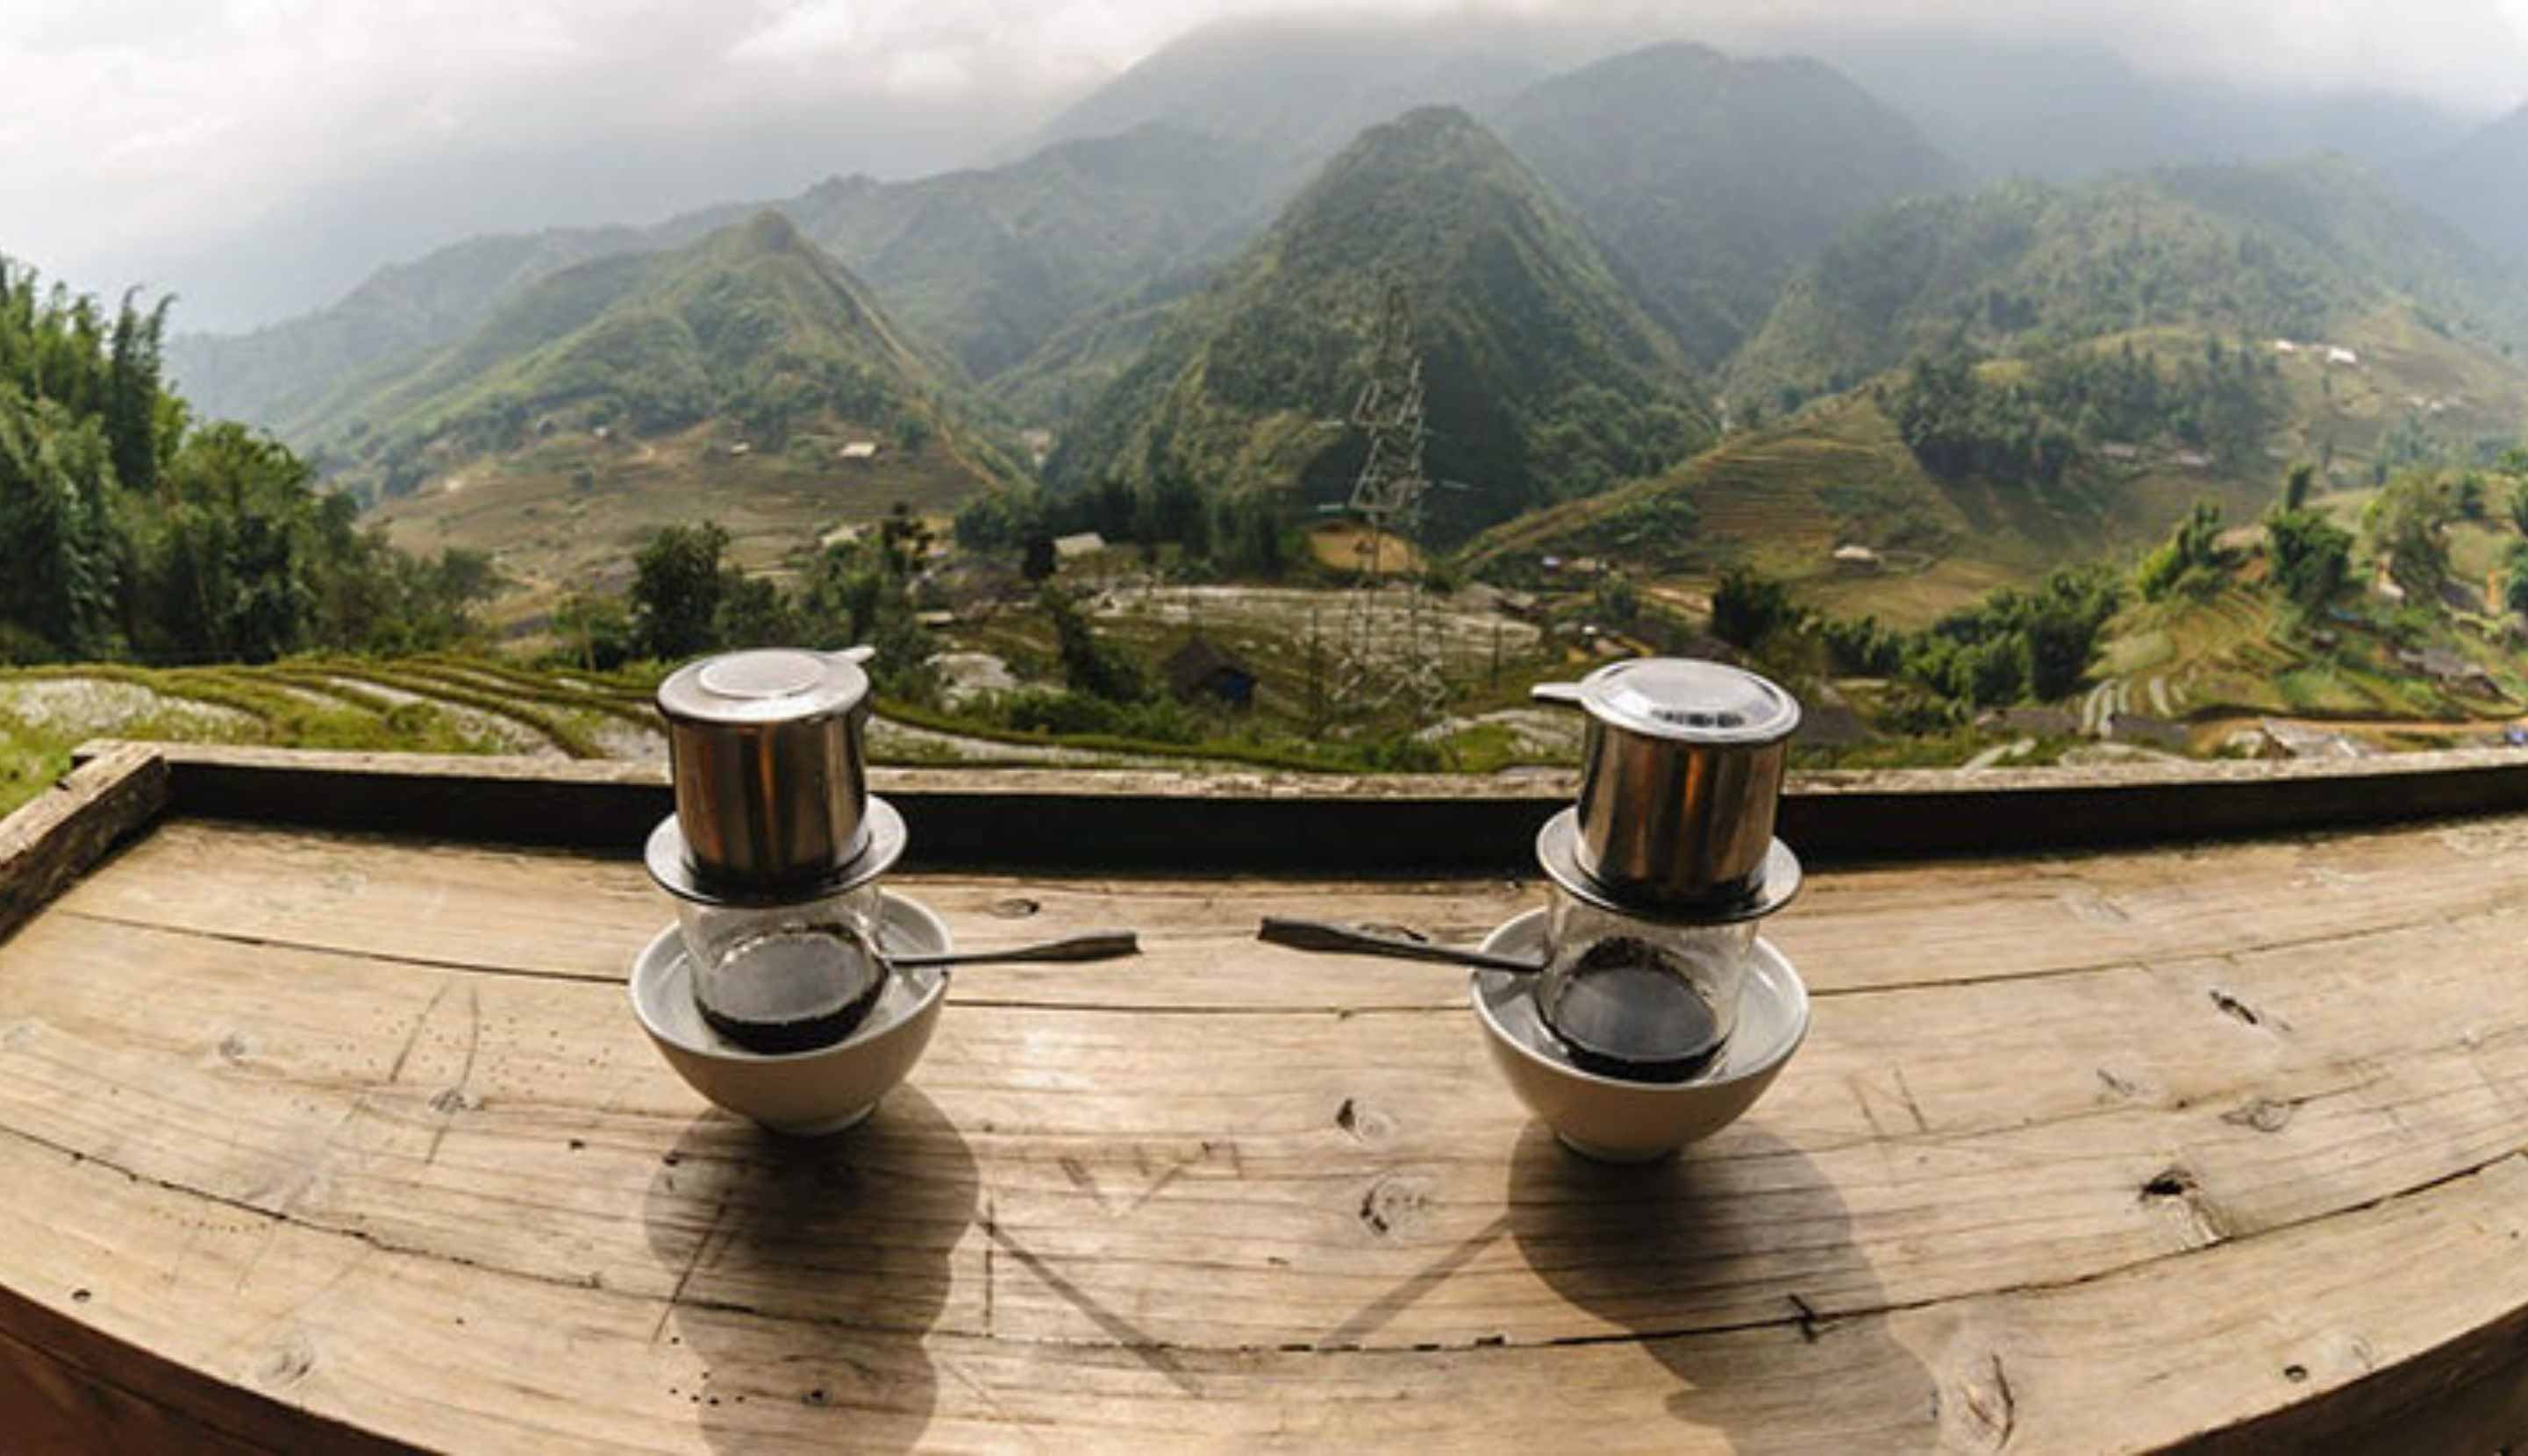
(52, 839)
(2183, 1349)
(1129, 819)
(2218, 1146)
(549, 913)
(1930, 1143)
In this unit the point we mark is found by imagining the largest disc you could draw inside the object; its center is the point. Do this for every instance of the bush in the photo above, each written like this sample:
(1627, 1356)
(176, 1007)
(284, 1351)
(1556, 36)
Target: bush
(1748, 607)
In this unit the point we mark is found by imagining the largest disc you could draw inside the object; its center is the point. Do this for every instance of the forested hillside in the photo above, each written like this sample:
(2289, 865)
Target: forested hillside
(133, 531)
(1545, 378)
(2285, 252)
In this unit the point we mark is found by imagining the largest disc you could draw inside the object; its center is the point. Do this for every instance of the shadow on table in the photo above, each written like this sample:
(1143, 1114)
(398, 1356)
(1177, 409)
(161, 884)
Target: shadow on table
(809, 1272)
(1697, 1241)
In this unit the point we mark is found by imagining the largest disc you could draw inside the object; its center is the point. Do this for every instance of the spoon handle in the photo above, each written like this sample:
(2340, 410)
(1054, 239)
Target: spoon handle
(1093, 945)
(1352, 940)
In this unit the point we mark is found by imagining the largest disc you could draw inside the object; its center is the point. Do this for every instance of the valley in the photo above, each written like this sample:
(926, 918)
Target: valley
(1688, 327)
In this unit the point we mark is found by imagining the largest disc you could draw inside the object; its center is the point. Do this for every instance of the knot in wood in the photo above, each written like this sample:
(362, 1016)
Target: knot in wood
(1395, 1202)
(287, 1365)
(1365, 1123)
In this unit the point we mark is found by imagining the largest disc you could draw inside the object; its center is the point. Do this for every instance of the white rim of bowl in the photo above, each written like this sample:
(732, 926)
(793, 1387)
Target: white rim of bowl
(1792, 1043)
(866, 1033)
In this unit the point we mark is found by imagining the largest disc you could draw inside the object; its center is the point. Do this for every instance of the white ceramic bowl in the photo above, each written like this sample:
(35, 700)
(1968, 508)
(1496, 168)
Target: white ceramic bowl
(802, 1093)
(1615, 1121)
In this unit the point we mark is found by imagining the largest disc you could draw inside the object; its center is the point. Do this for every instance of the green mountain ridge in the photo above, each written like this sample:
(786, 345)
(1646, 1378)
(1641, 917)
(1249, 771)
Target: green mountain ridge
(283, 376)
(986, 264)
(752, 325)
(1711, 178)
(2292, 251)
(1544, 378)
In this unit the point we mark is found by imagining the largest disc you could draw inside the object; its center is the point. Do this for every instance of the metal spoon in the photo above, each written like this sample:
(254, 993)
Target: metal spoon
(1325, 935)
(1092, 945)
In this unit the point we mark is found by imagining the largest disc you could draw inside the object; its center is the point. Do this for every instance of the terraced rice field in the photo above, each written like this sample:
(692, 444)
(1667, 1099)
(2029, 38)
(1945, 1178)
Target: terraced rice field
(436, 705)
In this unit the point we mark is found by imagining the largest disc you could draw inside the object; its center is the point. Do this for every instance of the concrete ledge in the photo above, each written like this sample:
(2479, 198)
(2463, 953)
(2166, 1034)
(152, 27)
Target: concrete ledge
(1142, 820)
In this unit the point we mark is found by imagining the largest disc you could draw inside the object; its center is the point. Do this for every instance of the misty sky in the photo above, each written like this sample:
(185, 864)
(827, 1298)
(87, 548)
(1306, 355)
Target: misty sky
(261, 156)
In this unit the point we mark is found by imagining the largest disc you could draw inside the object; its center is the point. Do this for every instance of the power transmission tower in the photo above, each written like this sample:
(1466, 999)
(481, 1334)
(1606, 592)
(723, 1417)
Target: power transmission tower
(1386, 656)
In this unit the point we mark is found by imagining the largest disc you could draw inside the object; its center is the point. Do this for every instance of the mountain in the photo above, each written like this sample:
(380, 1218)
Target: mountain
(1713, 179)
(987, 264)
(990, 264)
(752, 325)
(279, 377)
(1301, 88)
(2298, 252)
(2481, 184)
(1544, 378)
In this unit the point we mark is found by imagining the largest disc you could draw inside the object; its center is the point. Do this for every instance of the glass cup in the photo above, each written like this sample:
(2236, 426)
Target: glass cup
(1639, 998)
(786, 977)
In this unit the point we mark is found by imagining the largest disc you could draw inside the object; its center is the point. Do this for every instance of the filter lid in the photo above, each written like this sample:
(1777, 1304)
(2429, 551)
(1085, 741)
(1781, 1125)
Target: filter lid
(763, 686)
(1688, 700)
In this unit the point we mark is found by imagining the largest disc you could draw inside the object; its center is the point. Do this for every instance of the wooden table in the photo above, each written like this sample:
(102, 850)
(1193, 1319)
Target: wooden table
(316, 1139)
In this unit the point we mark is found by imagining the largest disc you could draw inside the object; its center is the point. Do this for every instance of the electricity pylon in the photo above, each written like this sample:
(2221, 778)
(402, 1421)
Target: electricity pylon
(1387, 656)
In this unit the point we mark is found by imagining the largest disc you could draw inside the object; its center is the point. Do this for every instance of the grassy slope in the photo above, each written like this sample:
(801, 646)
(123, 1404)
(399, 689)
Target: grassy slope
(1781, 498)
(550, 537)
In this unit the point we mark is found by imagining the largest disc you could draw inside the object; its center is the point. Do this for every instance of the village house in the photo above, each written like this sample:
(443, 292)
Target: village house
(2299, 741)
(2449, 669)
(2148, 732)
(2032, 722)
(1083, 543)
(1856, 557)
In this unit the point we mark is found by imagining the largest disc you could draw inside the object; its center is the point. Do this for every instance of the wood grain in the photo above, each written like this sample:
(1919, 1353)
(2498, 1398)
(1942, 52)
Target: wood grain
(53, 838)
(309, 1141)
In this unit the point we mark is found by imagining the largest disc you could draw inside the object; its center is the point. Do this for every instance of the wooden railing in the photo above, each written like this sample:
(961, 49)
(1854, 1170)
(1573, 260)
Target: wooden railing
(1133, 819)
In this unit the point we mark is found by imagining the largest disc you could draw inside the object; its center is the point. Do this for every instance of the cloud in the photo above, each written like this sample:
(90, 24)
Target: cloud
(262, 154)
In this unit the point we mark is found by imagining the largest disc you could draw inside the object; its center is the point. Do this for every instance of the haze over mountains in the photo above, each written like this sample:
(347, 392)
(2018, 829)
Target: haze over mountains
(1611, 256)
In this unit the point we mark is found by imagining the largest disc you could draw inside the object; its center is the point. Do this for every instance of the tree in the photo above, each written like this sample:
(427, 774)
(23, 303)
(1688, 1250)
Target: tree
(1089, 665)
(2311, 557)
(676, 590)
(125, 531)
(2191, 550)
(2514, 578)
(2298, 485)
(2405, 524)
(1748, 607)
(597, 630)
(752, 612)
(904, 538)
(1040, 559)
(1616, 602)
(1993, 672)
(2470, 495)
(2519, 507)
